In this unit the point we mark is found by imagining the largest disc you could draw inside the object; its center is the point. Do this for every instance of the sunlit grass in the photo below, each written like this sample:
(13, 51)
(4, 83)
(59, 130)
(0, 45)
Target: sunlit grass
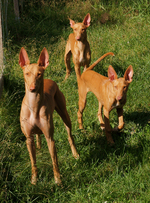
(102, 174)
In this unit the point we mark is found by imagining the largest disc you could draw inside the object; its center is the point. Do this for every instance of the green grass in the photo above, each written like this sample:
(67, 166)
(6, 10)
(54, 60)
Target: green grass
(102, 174)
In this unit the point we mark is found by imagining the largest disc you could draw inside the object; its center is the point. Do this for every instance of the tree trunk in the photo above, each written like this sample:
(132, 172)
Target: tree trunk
(1, 56)
(16, 9)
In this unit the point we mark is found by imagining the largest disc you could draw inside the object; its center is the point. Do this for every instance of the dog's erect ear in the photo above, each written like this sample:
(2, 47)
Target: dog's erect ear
(23, 58)
(71, 23)
(87, 20)
(43, 59)
(112, 75)
(129, 74)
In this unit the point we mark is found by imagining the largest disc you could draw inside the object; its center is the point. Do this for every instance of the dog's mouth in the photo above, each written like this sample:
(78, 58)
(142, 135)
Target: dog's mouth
(33, 87)
(122, 99)
(78, 38)
(117, 103)
(33, 90)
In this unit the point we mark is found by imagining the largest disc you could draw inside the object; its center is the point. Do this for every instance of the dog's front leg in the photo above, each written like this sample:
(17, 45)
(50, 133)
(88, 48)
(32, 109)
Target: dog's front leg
(80, 114)
(87, 58)
(85, 67)
(108, 127)
(52, 149)
(32, 153)
(78, 72)
(82, 103)
(38, 141)
(100, 116)
(120, 117)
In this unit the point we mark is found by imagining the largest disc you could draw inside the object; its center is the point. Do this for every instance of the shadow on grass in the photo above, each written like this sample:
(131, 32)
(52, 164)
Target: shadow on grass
(12, 97)
(100, 151)
(13, 85)
(140, 118)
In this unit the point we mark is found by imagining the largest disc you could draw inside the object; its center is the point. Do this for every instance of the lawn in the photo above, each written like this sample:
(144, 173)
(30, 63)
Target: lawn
(101, 174)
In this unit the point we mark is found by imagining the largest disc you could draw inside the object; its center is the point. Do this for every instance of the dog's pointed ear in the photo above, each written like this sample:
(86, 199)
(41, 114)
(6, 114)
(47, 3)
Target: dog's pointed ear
(87, 20)
(128, 75)
(112, 75)
(71, 23)
(43, 59)
(23, 58)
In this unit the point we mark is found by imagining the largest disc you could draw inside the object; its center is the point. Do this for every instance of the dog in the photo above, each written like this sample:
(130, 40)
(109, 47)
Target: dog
(110, 91)
(78, 46)
(42, 97)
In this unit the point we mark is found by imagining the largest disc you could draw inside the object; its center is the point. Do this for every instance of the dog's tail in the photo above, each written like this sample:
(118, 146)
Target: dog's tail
(101, 58)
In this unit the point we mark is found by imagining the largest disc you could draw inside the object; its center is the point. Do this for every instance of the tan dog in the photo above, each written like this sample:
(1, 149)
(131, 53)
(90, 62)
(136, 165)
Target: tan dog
(41, 98)
(110, 92)
(78, 46)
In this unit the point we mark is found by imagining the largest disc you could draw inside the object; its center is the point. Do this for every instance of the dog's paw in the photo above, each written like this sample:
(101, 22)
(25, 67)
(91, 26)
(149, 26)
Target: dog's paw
(102, 126)
(67, 76)
(34, 180)
(81, 127)
(117, 129)
(76, 156)
(58, 181)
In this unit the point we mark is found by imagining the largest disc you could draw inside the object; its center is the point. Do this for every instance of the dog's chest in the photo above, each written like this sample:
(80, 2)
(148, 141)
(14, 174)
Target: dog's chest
(80, 52)
(31, 123)
(117, 104)
(81, 58)
(35, 125)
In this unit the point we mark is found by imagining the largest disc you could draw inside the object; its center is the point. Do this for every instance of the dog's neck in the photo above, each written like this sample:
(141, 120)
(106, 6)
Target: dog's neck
(81, 50)
(34, 100)
(81, 45)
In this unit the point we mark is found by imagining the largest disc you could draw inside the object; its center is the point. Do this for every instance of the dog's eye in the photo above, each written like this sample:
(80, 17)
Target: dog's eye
(116, 87)
(39, 74)
(75, 29)
(124, 87)
(83, 30)
(27, 74)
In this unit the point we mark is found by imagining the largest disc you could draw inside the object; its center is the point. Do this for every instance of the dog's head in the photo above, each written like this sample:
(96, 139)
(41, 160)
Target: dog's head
(79, 29)
(33, 73)
(120, 85)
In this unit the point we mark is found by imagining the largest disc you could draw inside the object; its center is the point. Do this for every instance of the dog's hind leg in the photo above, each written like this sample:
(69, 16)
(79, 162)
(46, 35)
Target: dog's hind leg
(62, 111)
(67, 60)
